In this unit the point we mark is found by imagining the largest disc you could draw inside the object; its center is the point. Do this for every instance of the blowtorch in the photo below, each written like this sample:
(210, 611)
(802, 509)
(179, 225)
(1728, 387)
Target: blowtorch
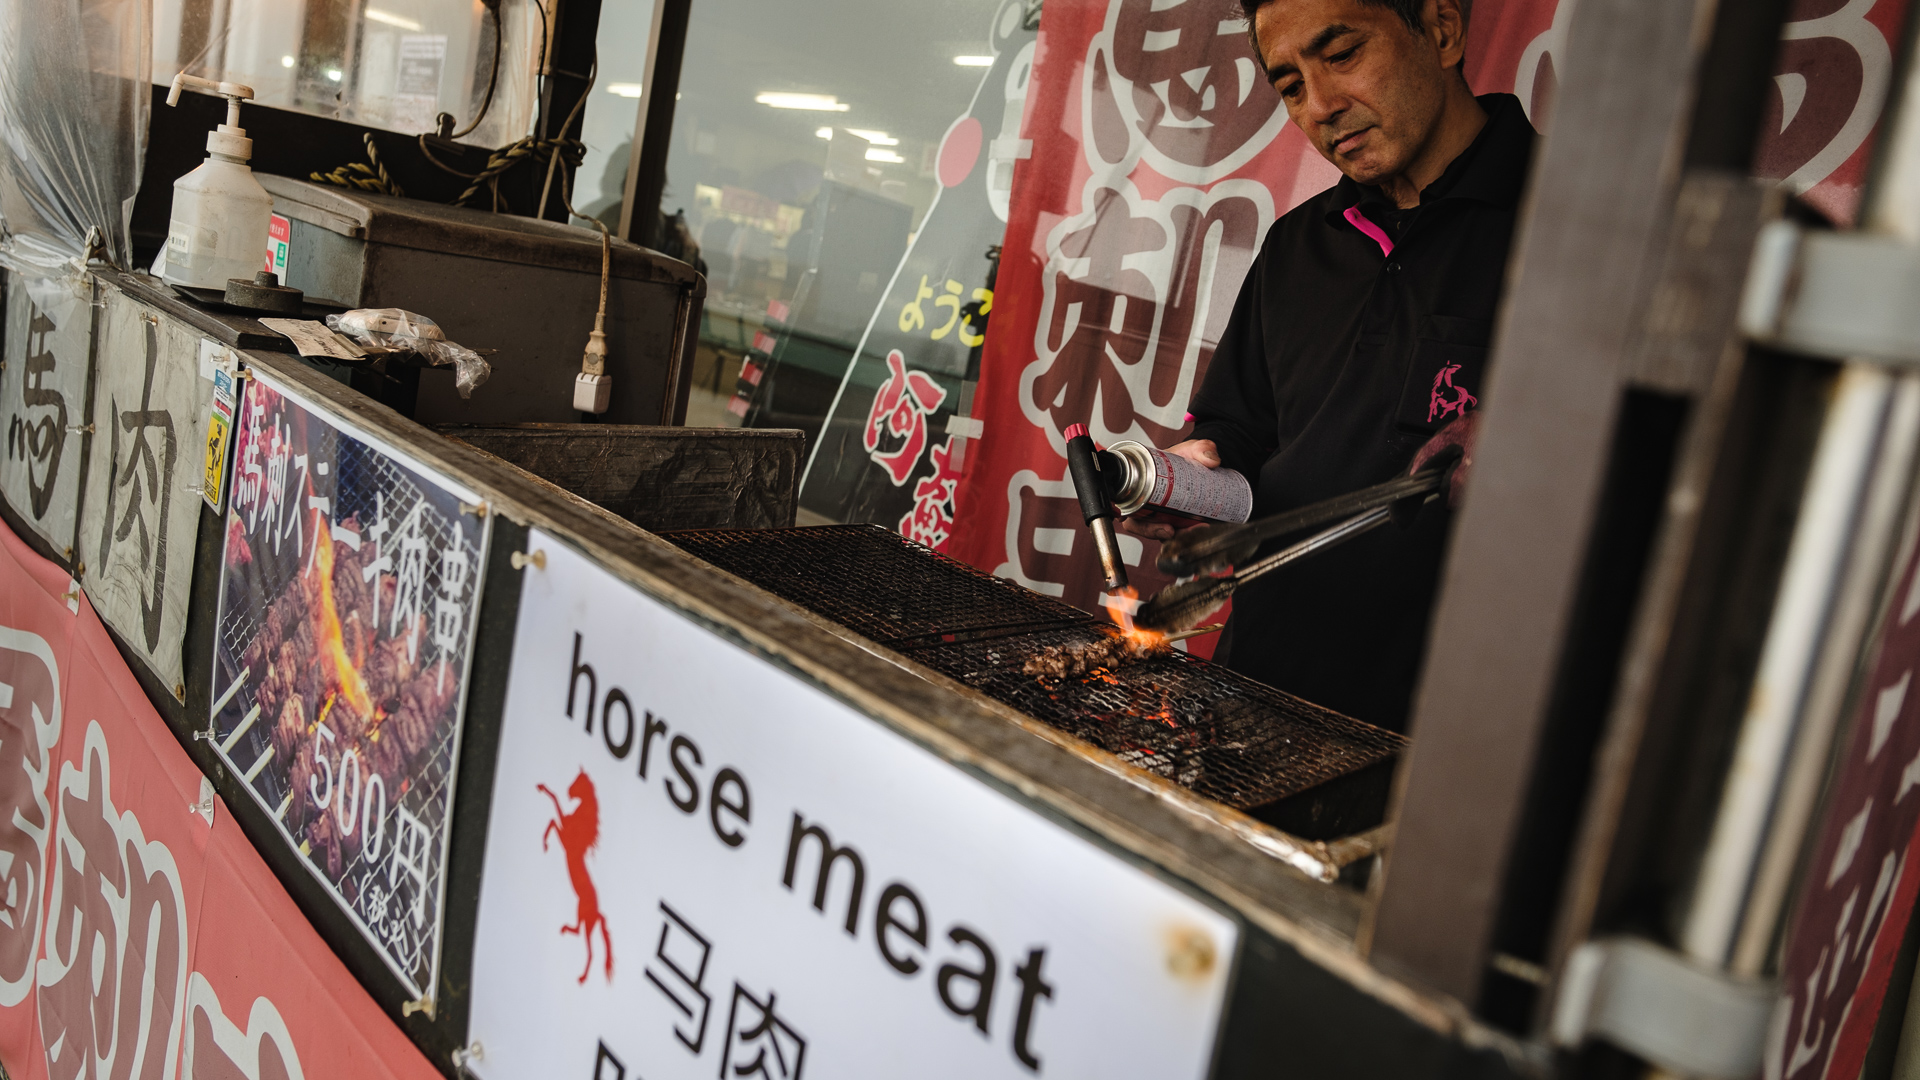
(1096, 504)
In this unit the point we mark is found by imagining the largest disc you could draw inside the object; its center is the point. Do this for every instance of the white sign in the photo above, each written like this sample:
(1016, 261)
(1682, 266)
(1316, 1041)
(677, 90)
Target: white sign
(43, 400)
(142, 513)
(416, 85)
(698, 865)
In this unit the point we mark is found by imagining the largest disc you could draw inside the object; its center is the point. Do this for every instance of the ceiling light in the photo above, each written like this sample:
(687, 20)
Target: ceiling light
(887, 156)
(813, 102)
(388, 17)
(333, 74)
(824, 133)
(974, 61)
(877, 138)
(286, 61)
(626, 89)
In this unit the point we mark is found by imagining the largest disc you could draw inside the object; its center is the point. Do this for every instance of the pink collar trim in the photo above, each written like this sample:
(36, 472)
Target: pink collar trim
(1374, 232)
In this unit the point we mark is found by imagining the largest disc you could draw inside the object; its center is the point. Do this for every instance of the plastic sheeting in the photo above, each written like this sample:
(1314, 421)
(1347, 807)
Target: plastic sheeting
(393, 328)
(73, 130)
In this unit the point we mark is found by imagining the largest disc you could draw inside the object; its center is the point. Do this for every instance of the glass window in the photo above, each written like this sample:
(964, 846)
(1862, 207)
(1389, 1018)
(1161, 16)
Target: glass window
(832, 164)
(599, 185)
(392, 64)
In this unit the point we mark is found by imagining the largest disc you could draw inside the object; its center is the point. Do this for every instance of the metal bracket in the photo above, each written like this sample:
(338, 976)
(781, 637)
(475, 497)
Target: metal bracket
(1844, 296)
(1675, 1013)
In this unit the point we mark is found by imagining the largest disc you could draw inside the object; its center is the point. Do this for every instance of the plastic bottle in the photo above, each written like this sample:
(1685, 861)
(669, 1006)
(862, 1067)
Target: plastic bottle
(220, 212)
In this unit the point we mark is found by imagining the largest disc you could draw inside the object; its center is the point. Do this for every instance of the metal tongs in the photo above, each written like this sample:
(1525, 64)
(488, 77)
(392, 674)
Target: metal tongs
(1211, 549)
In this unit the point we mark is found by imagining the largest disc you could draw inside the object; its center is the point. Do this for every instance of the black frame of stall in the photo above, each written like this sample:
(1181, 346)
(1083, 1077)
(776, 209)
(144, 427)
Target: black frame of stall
(1619, 570)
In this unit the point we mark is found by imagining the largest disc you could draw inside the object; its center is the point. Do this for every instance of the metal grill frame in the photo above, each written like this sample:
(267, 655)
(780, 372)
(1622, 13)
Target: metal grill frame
(1220, 721)
(937, 599)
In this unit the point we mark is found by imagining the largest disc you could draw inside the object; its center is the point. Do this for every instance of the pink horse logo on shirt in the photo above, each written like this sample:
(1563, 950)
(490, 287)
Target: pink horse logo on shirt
(1438, 406)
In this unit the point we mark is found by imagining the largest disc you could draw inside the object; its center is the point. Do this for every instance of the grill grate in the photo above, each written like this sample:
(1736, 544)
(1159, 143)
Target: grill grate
(1214, 731)
(879, 584)
(1204, 727)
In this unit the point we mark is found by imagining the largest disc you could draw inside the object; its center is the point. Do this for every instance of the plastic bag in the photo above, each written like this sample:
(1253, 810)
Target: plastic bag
(393, 328)
(74, 76)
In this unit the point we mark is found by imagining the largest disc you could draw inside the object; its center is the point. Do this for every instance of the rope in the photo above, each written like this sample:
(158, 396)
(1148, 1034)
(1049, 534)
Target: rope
(571, 151)
(551, 151)
(358, 175)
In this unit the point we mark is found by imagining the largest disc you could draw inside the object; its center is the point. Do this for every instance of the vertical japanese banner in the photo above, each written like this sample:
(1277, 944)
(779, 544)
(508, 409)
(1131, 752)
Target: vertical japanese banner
(896, 437)
(1860, 879)
(118, 861)
(43, 399)
(1160, 157)
(345, 624)
(142, 513)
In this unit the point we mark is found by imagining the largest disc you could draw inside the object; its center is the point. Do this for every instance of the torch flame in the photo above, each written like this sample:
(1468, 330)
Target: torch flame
(1120, 605)
(327, 633)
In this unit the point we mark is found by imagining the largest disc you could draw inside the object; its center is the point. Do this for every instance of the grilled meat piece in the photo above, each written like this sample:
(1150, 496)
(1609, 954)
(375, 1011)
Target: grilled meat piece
(1072, 661)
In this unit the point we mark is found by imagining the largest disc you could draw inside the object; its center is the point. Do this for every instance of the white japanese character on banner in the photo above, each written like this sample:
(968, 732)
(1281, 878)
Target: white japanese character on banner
(410, 581)
(450, 607)
(412, 844)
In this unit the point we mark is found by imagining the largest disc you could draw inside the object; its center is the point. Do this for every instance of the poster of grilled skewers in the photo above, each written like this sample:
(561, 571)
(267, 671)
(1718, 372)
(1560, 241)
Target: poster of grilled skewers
(347, 598)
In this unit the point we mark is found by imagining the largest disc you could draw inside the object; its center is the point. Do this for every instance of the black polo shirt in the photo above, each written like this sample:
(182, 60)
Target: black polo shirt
(1361, 330)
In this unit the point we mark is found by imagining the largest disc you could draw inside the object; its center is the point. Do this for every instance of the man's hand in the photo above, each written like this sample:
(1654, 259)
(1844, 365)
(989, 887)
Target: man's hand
(1459, 434)
(1155, 526)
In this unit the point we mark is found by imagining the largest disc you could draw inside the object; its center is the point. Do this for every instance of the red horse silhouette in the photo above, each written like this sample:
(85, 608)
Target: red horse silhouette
(579, 833)
(1438, 405)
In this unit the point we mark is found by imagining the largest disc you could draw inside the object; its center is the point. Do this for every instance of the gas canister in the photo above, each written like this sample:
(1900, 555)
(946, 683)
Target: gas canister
(1144, 478)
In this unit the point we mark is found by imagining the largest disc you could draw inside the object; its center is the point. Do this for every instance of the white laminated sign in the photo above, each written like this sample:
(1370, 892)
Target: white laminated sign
(699, 864)
(141, 517)
(43, 398)
(348, 586)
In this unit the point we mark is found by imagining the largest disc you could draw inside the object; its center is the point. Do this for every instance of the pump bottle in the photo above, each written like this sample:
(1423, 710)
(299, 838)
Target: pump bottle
(220, 212)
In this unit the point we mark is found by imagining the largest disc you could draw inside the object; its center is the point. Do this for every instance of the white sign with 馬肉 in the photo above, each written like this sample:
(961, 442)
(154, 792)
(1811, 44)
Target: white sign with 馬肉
(699, 864)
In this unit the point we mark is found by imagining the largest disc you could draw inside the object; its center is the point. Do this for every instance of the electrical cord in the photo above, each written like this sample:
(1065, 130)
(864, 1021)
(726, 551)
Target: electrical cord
(594, 362)
(593, 76)
(557, 149)
(544, 58)
(493, 73)
(573, 151)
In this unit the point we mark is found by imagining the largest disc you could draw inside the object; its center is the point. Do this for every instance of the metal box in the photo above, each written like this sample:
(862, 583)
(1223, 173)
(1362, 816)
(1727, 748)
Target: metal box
(660, 478)
(523, 287)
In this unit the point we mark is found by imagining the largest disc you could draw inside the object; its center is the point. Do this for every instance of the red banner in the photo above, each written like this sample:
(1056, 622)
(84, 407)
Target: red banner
(140, 934)
(1160, 157)
(1861, 881)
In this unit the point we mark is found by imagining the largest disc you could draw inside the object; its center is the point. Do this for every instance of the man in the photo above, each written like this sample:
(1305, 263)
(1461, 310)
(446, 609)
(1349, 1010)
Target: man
(1361, 334)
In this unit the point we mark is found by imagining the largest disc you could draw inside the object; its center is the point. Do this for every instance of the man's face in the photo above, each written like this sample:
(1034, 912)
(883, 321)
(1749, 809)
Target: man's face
(1365, 88)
